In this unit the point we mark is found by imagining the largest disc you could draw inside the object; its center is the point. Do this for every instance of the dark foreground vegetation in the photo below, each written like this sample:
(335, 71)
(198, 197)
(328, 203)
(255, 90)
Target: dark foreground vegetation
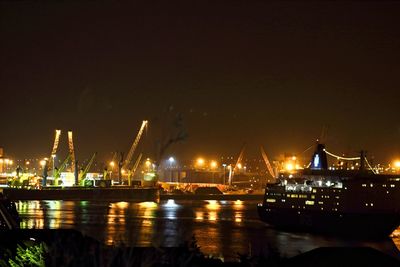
(71, 248)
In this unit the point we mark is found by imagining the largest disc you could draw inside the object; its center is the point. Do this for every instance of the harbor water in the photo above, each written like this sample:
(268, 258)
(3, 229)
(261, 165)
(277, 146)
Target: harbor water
(221, 228)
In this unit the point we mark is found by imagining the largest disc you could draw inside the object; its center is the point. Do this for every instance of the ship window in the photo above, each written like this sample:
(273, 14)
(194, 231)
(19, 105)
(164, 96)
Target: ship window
(292, 207)
(322, 208)
(392, 185)
(312, 196)
(383, 185)
(309, 202)
(372, 204)
(387, 192)
(283, 200)
(337, 197)
(314, 190)
(371, 185)
(294, 196)
(366, 204)
(364, 185)
(271, 200)
(320, 202)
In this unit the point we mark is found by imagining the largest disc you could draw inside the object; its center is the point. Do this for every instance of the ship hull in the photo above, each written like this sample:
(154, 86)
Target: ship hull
(360, 225)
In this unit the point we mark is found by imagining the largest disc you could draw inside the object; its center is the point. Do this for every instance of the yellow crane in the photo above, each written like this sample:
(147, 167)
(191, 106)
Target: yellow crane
(128, 159)
(82, 174)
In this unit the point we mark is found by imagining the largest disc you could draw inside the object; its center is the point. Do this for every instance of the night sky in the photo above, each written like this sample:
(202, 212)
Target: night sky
(272, 74)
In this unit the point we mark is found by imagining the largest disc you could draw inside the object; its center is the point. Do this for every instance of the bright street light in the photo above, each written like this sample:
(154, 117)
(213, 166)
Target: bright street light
(148, 163)
(200, 161)
(397, 164)
(213, 164)
(43, 163)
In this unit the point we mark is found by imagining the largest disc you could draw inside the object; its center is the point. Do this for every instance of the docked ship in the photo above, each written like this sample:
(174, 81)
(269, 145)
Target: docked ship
(356, 203)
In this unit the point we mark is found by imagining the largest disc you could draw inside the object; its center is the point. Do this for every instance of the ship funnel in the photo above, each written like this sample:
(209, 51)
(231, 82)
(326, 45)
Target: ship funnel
(319, 160)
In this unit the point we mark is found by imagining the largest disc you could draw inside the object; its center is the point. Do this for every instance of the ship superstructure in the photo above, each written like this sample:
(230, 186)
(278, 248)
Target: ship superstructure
(356, 203)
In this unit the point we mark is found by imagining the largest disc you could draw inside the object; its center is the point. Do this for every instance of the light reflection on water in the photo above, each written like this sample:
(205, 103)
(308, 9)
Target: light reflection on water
(220, 227)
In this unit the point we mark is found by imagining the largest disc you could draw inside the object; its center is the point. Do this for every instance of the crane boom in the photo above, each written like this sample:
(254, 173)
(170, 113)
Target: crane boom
(87, 168)
(71, 150)
(58, 171)
(232, 171)
(56, 141)
(134, 145)
(55, 146)
(266, 160)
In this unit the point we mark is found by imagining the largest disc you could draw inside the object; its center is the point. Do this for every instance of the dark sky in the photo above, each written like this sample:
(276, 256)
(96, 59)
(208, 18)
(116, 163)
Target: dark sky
(271, 74)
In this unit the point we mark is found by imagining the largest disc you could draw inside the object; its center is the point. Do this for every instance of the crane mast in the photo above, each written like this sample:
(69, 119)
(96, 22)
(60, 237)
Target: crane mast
(134, 145)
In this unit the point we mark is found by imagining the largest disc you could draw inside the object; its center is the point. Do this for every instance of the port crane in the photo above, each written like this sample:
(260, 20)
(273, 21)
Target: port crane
(51, 160)
(129, 156)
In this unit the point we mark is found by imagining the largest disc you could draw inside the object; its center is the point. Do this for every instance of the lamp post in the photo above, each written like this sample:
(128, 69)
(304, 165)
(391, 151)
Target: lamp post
(112, 164)
(171, 160)
(224, 165)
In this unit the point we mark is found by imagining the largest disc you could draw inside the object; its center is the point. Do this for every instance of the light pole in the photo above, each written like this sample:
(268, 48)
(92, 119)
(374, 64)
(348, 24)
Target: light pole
(224, 165)
(171, 160)
(112, 164)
